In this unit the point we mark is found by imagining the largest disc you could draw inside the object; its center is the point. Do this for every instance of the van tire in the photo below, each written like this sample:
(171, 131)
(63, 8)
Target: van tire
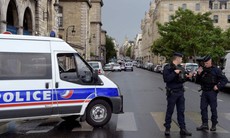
(70, 118)
(101, 107)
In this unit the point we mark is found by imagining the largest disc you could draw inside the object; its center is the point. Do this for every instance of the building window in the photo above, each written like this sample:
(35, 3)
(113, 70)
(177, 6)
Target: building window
(215, 19)
(170, 7)
(60, 16)
(215, 6)
(228, 5)
(197, 6)
(184, 6)
(228, 18)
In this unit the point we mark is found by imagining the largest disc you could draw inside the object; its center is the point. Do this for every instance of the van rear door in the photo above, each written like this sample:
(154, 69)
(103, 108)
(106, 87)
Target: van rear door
(25, 79)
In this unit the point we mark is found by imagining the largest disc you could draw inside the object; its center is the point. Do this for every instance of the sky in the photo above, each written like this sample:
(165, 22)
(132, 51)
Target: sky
(122, 18)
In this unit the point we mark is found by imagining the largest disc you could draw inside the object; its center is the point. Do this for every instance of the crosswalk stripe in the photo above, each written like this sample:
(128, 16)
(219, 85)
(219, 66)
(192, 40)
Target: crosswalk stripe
(196, 118)
(126, 122)
(227, 116)
(159, 118)
(84, 127)
(41, 130)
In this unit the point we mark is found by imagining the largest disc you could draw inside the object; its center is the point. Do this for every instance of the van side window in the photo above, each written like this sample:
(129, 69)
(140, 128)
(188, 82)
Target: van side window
(22, 66)
(67, 67)
(84, 72)
(73, 69)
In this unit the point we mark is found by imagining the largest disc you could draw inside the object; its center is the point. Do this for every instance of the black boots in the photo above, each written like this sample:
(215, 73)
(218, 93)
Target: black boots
(184, 132)
(204, 126)
(213, 128)
(167, 131)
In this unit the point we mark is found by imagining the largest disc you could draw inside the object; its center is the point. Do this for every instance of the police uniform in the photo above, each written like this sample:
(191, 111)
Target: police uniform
(208, 78)
(175, 97)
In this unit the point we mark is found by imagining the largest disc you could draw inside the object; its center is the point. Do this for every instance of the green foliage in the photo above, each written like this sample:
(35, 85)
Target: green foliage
(128, 52)
(110, 51)
(192, 34)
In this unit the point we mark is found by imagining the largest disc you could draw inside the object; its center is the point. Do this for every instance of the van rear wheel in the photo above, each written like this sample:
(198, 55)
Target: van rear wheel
(98, 113)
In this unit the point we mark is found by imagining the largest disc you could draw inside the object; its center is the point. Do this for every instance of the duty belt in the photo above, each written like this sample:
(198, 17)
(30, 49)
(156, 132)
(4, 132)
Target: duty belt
(178, 90)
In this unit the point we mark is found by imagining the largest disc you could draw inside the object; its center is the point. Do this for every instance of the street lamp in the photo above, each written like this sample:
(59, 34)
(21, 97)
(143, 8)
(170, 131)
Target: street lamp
(67, 31)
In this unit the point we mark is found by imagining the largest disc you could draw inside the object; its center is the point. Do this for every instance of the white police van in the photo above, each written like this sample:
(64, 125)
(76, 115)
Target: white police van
(226, 69)
(44, 77)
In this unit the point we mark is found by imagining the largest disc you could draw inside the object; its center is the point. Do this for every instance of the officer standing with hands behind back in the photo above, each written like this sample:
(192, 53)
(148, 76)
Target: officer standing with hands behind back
(211, 80)
(174, 77)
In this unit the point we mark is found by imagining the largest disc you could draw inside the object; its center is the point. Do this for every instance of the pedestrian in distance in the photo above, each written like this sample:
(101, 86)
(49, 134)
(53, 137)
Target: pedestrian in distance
(174, 76)
(212, 80)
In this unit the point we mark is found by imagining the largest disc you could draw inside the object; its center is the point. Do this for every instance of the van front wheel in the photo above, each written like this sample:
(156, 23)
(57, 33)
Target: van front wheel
(98, 113)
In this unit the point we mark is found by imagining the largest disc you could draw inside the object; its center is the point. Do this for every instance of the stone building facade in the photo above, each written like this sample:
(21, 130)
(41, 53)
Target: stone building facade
(29, 17)
(80, 26)
(78, 22)
(96, 50)
(74, 24)
(162, 10)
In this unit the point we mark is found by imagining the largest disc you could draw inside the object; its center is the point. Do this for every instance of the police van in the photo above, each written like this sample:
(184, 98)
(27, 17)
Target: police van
(44, 77)
(226, 69)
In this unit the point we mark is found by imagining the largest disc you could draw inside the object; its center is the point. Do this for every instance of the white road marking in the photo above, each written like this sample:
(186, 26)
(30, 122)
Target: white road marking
(159, 118)
(126, 122)
(219, 100)
(196, 118)
(84, 127)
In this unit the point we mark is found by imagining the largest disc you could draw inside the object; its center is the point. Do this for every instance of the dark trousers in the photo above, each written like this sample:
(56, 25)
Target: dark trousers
(176, 98)
(208, 98)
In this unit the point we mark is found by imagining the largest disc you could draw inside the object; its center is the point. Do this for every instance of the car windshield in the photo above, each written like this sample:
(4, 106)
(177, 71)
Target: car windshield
(107, 66)
(94, 65)
(192, 67)
(116, 65)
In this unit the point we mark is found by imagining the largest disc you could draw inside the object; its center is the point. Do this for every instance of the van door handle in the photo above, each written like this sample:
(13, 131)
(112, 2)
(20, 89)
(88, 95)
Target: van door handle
(56, 85)
(47, 85)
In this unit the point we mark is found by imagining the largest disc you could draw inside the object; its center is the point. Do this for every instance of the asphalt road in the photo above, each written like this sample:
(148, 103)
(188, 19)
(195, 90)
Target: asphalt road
(144, 107)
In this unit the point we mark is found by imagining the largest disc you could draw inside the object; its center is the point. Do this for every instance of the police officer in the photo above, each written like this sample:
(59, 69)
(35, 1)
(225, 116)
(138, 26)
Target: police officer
(175, 76)
(211, 80)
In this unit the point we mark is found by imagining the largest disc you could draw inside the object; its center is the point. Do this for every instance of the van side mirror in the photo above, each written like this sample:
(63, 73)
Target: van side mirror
(95, 75)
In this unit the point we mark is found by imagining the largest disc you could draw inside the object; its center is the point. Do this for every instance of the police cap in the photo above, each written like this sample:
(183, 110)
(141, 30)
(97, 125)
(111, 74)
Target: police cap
(206, 58)
(177, 54)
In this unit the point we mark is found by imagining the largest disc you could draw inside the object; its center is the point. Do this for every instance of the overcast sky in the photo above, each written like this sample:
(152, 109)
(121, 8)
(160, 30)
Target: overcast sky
(121, 18)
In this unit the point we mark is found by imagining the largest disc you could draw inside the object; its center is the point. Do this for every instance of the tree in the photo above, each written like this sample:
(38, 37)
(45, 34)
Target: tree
(128, 52)
(110, 50)
(189, 33)
(226, 38)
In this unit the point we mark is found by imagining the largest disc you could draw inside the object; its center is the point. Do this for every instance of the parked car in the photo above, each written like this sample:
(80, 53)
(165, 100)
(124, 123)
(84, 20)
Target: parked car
(162, 68)
(134, 63)
(157, 68)
(108, 67)
(116, 67)
(152, 67)
(122, 65)
(96, 65)
(128, 66)
(149, 65)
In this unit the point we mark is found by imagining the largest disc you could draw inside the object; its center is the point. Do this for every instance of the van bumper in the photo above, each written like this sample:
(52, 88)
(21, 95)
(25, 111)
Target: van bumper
(117, 104)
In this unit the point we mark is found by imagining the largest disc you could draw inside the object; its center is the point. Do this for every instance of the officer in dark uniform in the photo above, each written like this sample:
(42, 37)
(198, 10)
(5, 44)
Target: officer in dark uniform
(211, 80)
(174, 76)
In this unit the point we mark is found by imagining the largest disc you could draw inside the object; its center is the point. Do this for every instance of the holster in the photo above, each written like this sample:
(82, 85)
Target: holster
(168, 91)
